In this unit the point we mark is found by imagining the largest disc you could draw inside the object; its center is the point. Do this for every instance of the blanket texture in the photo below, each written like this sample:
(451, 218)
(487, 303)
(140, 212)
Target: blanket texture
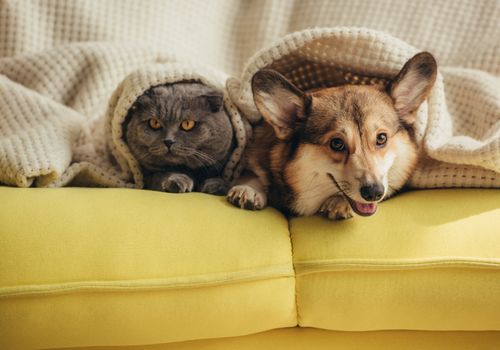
(69, 71)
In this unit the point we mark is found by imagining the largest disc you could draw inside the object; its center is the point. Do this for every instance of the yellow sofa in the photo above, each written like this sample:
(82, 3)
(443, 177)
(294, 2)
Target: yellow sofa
(121, 269)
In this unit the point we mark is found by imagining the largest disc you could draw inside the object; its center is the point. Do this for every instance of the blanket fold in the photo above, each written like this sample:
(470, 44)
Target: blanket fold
(66, 131)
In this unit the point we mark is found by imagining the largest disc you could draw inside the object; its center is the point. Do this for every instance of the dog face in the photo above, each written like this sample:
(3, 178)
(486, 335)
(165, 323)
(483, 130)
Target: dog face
(356, 141)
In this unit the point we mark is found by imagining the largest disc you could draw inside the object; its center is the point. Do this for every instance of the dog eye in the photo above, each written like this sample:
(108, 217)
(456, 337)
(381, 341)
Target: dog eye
(381, 139)
(154, 124)
(337, 144)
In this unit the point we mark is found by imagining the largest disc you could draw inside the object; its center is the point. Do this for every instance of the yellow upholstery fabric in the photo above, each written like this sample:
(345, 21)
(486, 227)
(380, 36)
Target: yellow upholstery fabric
(309, 338)
(429, 260)
(84, 267)
(114, 267)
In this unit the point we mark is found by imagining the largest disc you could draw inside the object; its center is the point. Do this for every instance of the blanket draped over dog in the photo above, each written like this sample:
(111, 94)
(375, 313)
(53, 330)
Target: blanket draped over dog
(70, 70)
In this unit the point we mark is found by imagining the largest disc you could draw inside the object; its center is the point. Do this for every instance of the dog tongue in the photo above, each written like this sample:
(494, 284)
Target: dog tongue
(365, 208)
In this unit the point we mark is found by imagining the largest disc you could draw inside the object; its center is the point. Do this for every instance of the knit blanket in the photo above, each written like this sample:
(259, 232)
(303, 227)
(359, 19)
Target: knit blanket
(69, 71)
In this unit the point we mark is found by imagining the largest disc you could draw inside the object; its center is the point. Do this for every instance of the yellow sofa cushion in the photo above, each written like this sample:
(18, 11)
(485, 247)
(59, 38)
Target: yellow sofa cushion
(317, 339)
(429, 260)
(84, 267)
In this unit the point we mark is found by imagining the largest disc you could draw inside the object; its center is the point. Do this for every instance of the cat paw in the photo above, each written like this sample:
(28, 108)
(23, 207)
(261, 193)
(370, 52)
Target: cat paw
(215, 186)
(177, 183)
(336, 208)
(246, 197)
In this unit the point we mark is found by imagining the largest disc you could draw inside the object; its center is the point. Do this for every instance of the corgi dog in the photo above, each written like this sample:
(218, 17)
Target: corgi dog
(334, 151)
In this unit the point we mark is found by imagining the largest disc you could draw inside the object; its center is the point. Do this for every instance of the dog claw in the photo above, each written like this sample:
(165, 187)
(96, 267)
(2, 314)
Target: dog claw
(336, 208)
(246, 197)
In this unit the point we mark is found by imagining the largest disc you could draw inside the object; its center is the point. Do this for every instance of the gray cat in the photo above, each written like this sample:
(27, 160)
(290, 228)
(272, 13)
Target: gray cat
(181, 136)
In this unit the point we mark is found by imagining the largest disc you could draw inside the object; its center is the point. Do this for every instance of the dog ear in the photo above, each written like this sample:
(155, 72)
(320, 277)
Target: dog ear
(281, 103)
(413, 84)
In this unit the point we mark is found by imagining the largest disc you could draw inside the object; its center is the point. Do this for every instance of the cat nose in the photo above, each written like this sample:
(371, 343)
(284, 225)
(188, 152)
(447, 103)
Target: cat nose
(169, 142)
(372, 192)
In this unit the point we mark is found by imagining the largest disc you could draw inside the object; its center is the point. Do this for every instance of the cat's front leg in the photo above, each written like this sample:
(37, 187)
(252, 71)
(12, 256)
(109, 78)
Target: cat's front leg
(214, 185)
(170, 182)
(336, 208)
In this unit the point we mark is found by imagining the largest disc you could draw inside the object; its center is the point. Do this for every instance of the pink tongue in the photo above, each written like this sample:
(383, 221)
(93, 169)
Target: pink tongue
(367, 209)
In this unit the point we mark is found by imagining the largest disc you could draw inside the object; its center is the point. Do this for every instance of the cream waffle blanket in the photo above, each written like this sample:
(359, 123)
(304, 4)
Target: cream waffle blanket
(70, 69)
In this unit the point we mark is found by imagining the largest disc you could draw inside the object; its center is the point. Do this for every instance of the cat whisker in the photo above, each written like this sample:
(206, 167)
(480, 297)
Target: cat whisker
(193, 156)
(202, 157)
(212, 161)
(157, 150)
(142, 156)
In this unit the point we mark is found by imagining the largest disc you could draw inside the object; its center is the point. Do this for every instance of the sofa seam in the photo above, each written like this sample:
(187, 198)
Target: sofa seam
(308, 267)
(153, 284)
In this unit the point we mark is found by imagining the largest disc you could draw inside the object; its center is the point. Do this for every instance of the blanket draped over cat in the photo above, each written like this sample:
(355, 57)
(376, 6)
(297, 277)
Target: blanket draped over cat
(143, 79)
(64, 92)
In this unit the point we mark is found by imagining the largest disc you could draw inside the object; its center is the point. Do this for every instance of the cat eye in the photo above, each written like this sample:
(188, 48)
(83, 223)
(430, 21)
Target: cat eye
(381, 139)
(188, 125)
(154, 124)
(337, 144)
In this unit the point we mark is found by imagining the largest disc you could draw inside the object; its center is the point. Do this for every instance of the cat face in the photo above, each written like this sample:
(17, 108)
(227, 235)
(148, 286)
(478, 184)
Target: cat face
(183, 124)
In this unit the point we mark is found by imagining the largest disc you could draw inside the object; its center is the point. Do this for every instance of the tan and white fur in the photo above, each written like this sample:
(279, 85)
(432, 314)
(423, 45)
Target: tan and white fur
(335, 150)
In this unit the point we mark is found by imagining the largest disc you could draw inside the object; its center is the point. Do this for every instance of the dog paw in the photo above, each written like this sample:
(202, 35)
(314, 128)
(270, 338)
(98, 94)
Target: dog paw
(336, 208)
(246, 197)
(214, 185)
(177, 183)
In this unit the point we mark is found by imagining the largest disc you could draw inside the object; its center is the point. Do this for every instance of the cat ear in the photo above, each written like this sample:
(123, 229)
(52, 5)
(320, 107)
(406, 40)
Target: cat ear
(215, 101)
(281, 104)
(413, 84)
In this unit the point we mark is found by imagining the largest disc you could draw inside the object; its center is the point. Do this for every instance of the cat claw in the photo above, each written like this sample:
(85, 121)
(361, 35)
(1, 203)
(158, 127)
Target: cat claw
(336, 208)
(246, 197)
(177, 183)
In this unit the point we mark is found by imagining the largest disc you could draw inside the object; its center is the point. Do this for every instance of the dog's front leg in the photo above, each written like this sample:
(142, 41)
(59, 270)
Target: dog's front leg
(248, 193)
(336, 208)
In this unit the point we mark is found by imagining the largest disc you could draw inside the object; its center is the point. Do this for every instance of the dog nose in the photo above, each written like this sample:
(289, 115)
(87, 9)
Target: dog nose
(168, 142)
(372, 192)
